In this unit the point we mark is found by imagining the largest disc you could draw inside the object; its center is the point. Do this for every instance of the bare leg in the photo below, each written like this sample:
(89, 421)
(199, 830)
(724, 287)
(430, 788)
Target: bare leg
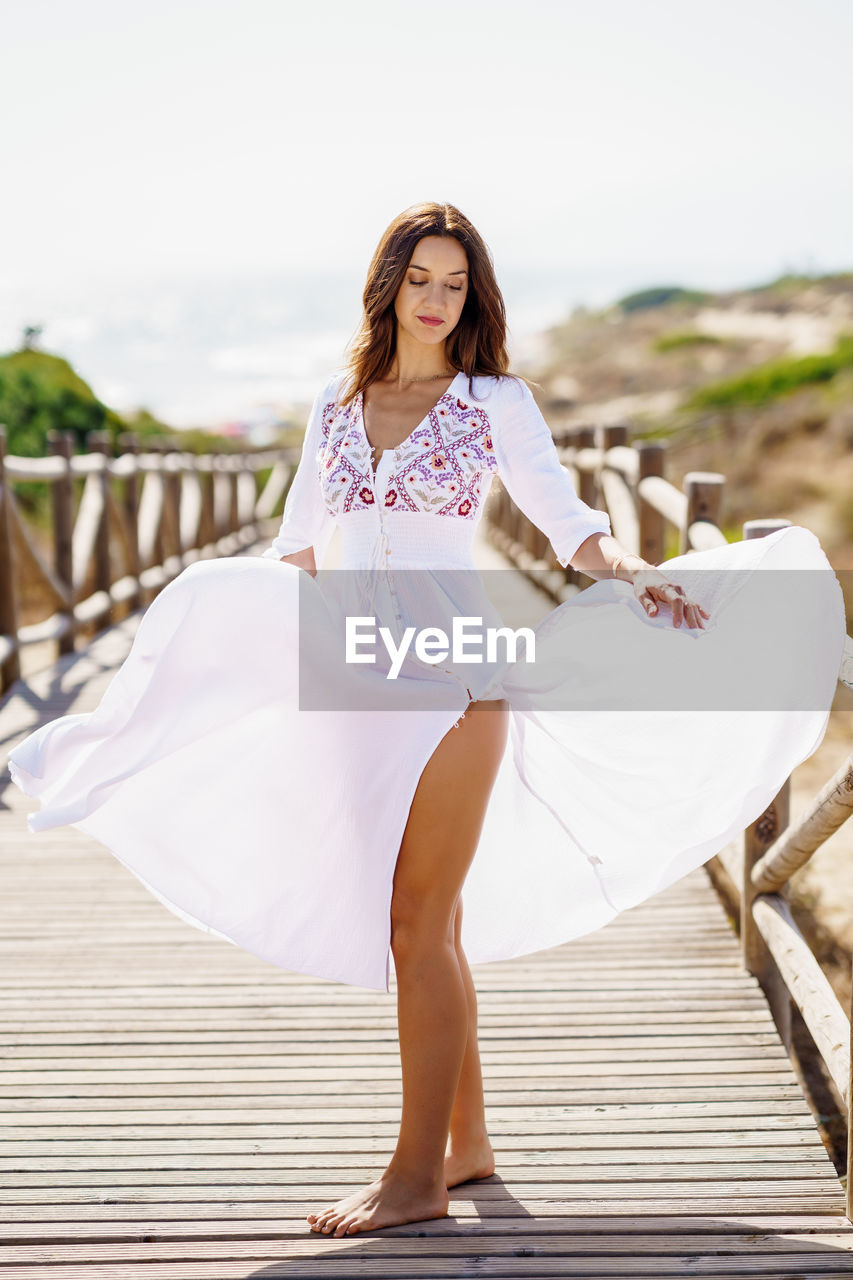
(437, 848)
(469, 1151)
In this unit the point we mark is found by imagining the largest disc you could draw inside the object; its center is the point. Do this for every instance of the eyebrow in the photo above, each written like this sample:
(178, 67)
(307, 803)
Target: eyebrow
(413, 266)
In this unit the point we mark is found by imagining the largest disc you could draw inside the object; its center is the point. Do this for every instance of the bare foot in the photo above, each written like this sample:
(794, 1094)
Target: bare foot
(386, 1202)
(467, 1161)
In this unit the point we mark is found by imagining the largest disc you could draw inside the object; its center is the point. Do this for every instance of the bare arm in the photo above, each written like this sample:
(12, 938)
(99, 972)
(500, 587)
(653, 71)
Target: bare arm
(601, 556)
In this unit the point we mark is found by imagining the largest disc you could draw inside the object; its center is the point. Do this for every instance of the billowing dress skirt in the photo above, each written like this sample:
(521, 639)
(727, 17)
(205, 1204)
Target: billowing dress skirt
(259, 786)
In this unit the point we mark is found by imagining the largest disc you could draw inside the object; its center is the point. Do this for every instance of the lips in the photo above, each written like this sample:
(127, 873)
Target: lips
(430, 320)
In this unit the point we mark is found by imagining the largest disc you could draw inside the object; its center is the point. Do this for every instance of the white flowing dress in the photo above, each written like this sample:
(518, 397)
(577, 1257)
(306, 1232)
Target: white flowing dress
(259, 785)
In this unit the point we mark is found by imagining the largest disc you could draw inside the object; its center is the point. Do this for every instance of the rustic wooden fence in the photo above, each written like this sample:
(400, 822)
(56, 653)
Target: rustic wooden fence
(173, 507)
(628, 481)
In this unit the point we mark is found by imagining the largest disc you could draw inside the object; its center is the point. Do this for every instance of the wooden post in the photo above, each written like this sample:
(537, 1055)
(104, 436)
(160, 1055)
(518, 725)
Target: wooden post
(587, 480)
(652, 524)
(758, 837)
(159, 447)
(234, 511)
(612, 434)
(10, 670)
(704, 490)
(207, 523)
(129, 443)
(172, 500)
(60, 443)
(758, 528)
(100, 442)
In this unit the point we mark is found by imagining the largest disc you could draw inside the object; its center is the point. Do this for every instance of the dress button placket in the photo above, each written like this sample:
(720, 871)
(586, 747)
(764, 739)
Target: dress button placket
(383, 535)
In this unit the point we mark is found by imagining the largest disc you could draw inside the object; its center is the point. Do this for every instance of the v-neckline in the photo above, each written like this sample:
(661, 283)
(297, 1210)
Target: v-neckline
(372, 449)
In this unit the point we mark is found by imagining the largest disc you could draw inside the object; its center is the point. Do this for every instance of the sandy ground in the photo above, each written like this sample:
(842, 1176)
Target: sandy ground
(803, 332)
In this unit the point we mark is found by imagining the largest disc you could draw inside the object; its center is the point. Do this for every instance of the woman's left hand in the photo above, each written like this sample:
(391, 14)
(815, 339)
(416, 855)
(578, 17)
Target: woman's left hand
(651, 587)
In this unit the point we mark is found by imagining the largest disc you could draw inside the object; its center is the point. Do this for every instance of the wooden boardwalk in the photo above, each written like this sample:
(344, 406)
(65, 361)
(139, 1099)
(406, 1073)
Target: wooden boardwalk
(172, 1107)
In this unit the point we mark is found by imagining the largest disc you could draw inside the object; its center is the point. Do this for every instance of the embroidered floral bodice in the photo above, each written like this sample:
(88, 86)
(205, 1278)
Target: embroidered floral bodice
(438, 469)
(427, 496)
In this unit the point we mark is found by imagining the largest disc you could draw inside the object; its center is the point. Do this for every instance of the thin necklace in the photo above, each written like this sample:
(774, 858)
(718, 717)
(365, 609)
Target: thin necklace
(432, 377)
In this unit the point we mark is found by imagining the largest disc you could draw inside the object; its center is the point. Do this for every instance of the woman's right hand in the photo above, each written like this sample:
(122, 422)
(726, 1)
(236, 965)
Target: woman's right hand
(303, 560)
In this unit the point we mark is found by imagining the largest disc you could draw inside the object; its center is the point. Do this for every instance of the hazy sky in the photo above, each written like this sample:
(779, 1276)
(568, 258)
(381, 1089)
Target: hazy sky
(217, 135)
(159, 154)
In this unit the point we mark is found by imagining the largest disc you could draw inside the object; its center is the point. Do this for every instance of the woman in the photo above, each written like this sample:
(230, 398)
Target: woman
(574, 806)
(432, 305)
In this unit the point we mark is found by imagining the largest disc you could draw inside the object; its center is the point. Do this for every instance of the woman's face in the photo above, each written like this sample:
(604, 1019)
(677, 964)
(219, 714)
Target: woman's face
(435, 286)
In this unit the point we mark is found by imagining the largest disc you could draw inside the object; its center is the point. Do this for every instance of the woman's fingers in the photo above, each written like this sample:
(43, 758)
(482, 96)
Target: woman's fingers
(682, 608)
(651, 586)
(678, 611)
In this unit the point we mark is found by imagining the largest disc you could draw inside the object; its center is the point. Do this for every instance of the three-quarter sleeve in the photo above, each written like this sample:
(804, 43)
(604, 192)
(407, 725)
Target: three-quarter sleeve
(306, 520)
(536, 480)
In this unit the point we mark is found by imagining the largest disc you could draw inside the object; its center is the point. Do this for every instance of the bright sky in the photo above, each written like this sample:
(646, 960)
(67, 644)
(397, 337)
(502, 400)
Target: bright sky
(220, 135)
(169, 165)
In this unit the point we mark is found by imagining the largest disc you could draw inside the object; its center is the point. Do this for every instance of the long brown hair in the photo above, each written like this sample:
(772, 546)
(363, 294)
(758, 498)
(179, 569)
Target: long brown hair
(477, 344)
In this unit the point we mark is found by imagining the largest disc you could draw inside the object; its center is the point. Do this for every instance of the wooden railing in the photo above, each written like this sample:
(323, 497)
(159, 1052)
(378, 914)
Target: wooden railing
(628, 482)
(174, 507)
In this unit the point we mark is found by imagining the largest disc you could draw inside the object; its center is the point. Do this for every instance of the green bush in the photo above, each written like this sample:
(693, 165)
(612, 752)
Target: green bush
(659, 296)
(40, 392)
(774, 379)
(678, 338)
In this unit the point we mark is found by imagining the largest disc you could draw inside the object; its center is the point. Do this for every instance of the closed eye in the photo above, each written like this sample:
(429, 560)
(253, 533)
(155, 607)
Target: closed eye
(454, 288)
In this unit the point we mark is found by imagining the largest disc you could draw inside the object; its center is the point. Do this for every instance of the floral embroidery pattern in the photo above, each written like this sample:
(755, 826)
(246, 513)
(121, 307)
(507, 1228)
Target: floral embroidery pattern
(343, 461)
(439, 467)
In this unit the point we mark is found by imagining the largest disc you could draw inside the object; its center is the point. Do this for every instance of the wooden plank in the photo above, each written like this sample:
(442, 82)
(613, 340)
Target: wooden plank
(788, 1267)
(323, 1149)
(24, 1223)
(109, 1221)
(774, 1193)
(693, 1176)
(822, 1244)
